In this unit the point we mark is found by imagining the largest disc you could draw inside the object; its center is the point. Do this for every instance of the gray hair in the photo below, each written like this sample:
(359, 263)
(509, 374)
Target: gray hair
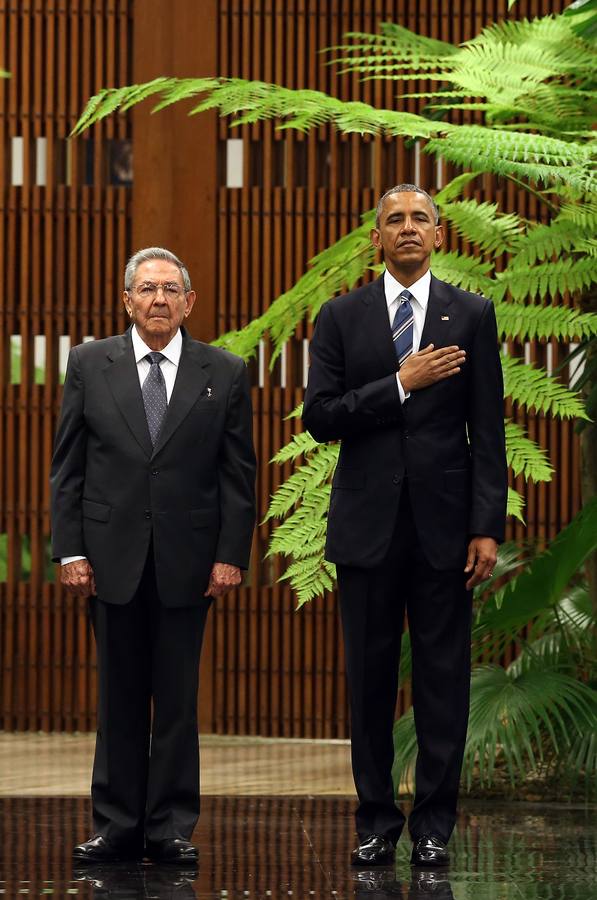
(145, 255)
(400, 189)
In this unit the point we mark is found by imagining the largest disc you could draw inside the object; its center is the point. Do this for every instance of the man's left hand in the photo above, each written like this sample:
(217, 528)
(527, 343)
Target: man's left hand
(481, 559)
(222, 579)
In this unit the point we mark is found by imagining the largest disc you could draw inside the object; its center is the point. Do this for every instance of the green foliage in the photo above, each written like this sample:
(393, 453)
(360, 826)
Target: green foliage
(528, 322)
(540, 712)
(479, 224)
(525, 456)
(531, 387)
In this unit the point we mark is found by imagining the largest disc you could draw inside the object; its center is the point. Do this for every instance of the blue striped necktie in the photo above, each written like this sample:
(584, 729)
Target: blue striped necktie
(402, 328)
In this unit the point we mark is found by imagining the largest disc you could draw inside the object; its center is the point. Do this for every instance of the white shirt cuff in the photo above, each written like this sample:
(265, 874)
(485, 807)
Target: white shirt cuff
(67, 559)
(403, 396)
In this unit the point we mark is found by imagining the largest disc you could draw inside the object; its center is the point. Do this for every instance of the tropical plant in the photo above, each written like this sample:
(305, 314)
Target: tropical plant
(525, 90)
(538, 714)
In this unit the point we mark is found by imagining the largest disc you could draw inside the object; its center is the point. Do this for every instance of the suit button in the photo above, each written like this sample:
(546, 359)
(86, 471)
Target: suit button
(406, 435)
(155, 471)
(148, 514)
(396, 479)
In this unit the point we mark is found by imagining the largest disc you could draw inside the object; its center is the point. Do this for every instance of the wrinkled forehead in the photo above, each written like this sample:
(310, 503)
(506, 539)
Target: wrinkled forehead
(407, 202)
(158, 270)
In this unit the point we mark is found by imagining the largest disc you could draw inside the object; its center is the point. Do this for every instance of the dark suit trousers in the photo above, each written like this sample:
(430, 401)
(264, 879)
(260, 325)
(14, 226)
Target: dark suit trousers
(146, 772)
(373, 603)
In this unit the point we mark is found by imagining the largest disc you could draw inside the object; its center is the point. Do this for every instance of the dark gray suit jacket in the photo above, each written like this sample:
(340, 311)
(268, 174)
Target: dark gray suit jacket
(193, 493)
(448, 438)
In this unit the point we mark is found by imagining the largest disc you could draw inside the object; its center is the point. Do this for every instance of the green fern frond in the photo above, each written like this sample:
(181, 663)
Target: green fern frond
(301, 444)
(524, 456)
(336, 268)
(535, 157)
(318, 469)
(515, 505)
(528, 322)
(544, 241)
(551, 278)
(310, 578)
(297, 534)
(480, 224)
(467, 272)
(582, 214)
(533, 388)
(454, 188)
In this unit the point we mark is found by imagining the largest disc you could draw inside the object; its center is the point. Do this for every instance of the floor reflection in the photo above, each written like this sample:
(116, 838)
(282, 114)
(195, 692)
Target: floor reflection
(281, 847)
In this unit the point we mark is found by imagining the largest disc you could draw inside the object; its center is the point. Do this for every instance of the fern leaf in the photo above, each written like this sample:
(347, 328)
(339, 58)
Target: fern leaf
(528, 322)
(467, 272)
(546, 279)
(524, 456)
(515, 505)
(533, 388)
(480, 224)
(300, 444)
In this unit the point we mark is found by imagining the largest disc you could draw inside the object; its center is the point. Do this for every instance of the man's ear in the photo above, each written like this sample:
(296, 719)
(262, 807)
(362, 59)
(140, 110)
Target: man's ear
(439, 236)
(375, 238)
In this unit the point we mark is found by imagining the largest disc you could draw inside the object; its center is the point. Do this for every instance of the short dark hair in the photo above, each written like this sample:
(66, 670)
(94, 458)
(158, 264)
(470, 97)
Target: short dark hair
(402, 189)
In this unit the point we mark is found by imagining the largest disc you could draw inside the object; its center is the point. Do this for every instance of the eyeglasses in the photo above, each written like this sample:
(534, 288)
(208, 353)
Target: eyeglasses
(148, 290)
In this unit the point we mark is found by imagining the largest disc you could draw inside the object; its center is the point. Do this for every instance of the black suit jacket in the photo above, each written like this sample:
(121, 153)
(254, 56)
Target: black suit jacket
(193, 492)
(448, 438)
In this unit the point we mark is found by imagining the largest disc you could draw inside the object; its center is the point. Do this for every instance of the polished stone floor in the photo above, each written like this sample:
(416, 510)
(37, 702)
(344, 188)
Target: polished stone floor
(298, 847)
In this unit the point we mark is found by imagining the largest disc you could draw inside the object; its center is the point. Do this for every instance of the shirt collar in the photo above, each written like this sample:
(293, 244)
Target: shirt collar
(171, 351)
(420, 289)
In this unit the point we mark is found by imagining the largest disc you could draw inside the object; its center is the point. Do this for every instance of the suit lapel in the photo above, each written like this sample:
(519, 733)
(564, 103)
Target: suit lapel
(439, 316)
(123, 381)
(378, 324)
(192, 376)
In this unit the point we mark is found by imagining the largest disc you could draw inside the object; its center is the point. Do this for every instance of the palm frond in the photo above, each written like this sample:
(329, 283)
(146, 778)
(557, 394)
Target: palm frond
(518, 719)
(524, 456)
(531, 387)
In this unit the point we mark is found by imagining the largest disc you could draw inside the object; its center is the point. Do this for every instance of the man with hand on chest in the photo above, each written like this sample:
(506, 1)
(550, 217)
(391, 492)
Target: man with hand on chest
(405, 372)
(153, 509)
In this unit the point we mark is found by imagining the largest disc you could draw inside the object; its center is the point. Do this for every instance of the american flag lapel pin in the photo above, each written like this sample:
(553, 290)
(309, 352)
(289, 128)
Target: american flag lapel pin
(445, 318)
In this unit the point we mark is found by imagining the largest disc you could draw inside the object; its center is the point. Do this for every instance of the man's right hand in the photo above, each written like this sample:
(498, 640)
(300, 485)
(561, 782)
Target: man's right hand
(78, 578)
(428, 366)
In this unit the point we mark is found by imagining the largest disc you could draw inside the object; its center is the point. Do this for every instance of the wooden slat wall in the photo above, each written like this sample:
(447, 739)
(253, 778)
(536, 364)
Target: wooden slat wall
(63, 247)
(64, 236)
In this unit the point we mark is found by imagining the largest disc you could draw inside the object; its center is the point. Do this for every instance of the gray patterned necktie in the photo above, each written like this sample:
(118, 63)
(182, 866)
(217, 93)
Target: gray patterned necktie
(155, 398)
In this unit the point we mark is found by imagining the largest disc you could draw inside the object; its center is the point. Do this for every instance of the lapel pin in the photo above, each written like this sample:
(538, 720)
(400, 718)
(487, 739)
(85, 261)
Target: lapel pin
(209, 392)
(445, 318)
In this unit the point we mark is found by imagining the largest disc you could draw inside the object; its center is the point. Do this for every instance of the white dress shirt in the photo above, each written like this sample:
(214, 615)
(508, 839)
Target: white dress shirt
(169, 367)
(420, 293)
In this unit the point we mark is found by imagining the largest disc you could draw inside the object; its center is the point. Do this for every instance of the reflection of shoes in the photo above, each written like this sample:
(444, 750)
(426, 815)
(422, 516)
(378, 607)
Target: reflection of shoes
(429, 851)
(98, 849)
(374, 850)
(173, 850)
(376, 880)
(436, 883)
(132, 881)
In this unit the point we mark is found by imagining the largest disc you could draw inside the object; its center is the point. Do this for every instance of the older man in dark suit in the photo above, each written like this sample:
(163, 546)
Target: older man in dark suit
(153, 511)
(405, 372)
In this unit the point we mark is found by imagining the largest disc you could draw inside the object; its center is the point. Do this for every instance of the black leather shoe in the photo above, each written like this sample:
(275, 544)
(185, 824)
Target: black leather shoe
(98, 849)
(173, 850)
(429, 851)
(374, 850)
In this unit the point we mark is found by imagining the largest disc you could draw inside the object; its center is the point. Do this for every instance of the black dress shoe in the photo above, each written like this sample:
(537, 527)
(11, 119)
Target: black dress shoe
(173, 850)
(374, 850)
(98, 849)
(429, 851)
